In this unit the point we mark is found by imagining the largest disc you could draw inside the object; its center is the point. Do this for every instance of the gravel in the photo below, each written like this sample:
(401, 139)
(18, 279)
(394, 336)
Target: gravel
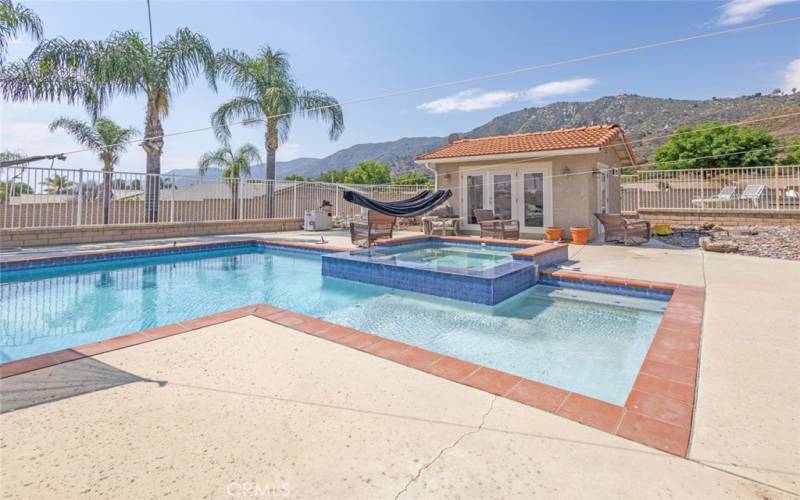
(777, 242)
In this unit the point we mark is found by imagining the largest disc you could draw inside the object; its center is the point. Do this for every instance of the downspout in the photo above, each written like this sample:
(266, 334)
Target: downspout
(435, 175)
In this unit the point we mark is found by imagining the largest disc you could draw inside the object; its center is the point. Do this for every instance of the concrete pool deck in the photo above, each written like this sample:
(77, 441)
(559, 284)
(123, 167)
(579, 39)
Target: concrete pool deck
(249, 404)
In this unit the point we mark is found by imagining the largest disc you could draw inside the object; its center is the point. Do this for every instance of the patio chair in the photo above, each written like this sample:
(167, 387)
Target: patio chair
(725, 195)
(491, 227)
(752, 193)
(377, 227)
(618, 229)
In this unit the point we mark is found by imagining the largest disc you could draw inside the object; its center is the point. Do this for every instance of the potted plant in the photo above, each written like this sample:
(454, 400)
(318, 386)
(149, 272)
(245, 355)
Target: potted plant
(553, 233)
(580, 235)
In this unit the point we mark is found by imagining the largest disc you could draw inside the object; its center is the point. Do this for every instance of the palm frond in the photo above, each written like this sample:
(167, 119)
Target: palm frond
(16, 19)
(242, 72)
(265, 81)
(276, 63)
(28, 82)
(237, 109)
(114, 138)
(242, 162)
(221, 157)
(283, 126)
(250, 152)
(319, 105)
(83, 133)
(122, 62)
(183, 56)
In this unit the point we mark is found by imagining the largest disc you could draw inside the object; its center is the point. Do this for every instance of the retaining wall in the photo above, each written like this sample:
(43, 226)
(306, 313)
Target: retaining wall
(690, 217)
(32, 237)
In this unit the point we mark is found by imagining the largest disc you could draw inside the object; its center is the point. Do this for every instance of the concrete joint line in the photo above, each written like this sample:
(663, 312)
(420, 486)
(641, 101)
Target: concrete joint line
(446, 448)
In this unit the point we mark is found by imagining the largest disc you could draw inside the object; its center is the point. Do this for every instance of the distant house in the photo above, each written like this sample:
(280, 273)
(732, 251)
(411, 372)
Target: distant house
(552, 178)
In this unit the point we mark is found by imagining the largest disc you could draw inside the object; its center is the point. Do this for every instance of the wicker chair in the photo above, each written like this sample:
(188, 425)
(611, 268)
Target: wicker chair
(491, 227)
(618, 229)
(377, 227)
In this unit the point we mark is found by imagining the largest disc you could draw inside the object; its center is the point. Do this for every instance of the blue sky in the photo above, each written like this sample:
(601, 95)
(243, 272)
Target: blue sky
(353, 50)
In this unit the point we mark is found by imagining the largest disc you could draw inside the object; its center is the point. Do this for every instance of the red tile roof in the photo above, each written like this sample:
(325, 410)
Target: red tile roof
(583, 137)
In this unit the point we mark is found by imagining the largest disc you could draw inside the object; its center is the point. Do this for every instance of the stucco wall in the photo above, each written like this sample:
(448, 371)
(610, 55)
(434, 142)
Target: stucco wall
(574, 191)
(34, 237)
(730, 218)
(574, 196)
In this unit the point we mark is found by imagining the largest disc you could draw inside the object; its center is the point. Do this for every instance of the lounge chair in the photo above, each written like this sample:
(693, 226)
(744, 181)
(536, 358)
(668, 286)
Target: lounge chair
(491, 227)
(752, 193)
(618, 229)
(377, 227)
(725, 195)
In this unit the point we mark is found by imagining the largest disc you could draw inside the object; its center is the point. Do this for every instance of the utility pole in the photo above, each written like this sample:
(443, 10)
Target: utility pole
(150, 22)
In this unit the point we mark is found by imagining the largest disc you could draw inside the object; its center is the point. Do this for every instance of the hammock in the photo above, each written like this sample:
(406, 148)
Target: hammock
(417, 204)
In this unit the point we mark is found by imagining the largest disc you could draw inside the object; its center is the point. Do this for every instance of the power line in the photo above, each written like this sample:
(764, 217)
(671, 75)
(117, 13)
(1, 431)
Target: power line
(490, 76)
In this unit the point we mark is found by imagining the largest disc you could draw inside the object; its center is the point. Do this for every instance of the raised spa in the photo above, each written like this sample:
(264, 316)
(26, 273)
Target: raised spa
(473, 272)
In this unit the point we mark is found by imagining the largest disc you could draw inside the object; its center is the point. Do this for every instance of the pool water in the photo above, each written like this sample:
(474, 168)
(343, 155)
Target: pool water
(442, 256)
(587, 342)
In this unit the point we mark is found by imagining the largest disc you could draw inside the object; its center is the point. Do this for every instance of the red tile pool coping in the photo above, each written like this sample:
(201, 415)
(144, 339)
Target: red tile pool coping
(658, 411)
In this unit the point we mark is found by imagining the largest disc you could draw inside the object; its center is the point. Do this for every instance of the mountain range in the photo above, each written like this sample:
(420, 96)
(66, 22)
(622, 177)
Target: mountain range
(641, 117)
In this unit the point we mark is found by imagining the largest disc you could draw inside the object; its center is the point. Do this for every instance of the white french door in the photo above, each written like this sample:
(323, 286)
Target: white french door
(473, 191)
(523, 194)
(501, 194)
(534, 199)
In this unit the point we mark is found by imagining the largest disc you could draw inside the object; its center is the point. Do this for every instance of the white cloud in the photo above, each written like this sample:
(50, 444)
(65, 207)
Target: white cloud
(740, 11)
(791, 78)
(563, 87)
(474, 100)
(468, 100)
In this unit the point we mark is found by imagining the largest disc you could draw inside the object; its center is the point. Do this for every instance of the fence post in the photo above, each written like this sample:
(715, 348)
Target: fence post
(638, 191)
(294, 200)
(78, 216)
(241, 199)
(702, 191)
(172, 201)
(776, 189)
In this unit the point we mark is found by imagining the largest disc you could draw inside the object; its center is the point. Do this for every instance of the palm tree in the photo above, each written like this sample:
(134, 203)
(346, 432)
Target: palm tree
(269, 94)
(57, 184)
(92, 72)
(15, 19)
(105, 138)
(236, 164)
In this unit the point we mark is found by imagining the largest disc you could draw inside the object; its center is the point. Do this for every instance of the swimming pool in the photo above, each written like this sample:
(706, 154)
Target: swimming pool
(579, 340)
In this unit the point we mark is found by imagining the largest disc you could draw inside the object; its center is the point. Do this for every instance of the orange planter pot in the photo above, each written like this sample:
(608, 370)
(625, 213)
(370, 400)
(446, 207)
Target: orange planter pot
(553, 233)
(580, 235)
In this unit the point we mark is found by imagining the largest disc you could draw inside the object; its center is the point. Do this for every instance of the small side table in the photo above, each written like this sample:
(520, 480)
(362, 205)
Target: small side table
(445, 224)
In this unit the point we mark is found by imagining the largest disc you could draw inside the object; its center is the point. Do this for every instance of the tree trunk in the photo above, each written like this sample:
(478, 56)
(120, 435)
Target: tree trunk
(272, 148)
(106, 191)
(153, 147)
(234, 198)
